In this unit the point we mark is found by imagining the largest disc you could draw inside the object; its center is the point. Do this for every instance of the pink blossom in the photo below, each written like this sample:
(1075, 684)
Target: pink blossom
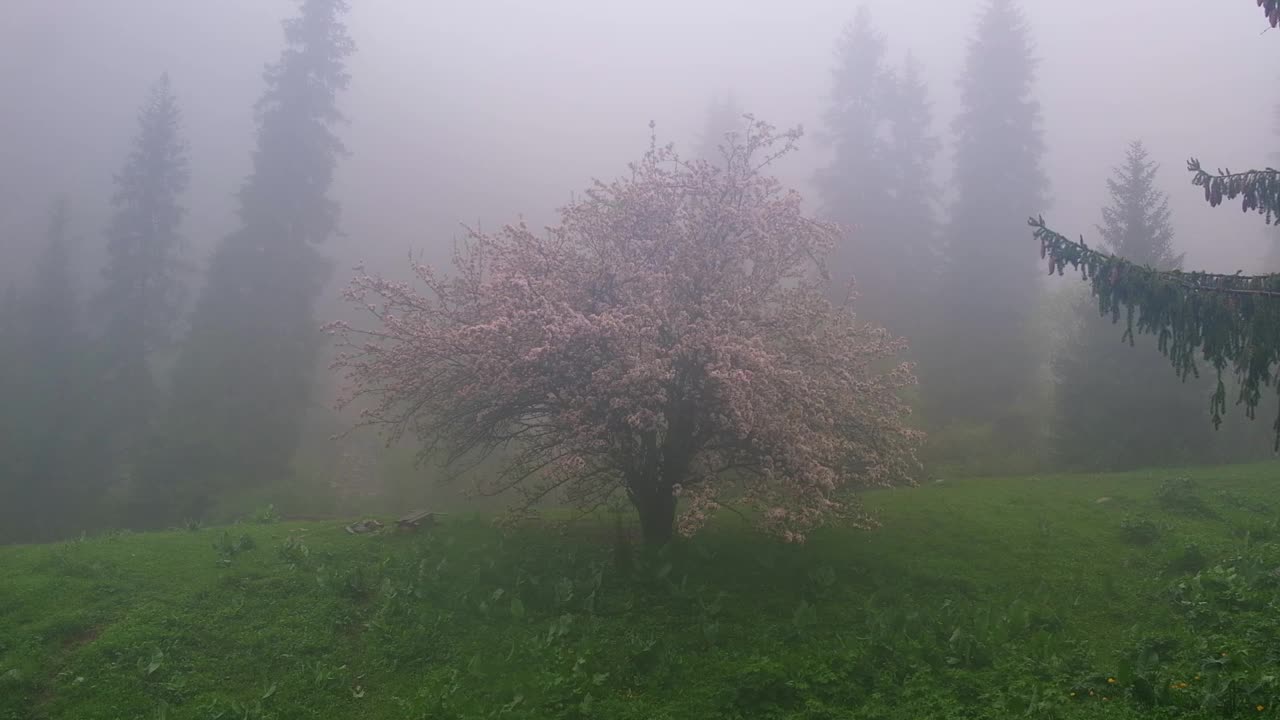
(671, 335)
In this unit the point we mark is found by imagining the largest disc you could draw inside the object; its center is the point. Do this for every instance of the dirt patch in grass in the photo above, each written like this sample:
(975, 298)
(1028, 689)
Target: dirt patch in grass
(83, 637)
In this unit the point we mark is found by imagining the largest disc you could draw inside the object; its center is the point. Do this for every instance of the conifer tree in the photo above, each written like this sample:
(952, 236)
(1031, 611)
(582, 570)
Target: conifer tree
(852, 190)
(981, 358)
(142, 295)
(51, 482)
(8, 333)
(243, 381)
(879, 185)
(10, 422)
(910, 246)
(1116, 407)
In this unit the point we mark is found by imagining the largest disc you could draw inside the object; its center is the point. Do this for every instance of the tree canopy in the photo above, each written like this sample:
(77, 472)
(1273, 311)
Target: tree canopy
(667, 340)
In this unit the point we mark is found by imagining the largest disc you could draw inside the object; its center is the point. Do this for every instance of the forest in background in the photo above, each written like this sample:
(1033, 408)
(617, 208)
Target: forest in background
(146, 384)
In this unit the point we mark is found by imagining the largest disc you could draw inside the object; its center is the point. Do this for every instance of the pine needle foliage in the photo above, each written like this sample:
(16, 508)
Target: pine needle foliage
(1232, 322)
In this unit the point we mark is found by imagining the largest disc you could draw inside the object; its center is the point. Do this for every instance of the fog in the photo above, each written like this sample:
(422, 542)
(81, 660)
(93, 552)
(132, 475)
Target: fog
(648, 434)
(466, 112)
(485, 113)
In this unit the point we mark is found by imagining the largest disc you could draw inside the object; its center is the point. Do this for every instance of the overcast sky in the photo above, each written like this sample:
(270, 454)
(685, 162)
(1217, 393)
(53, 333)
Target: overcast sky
(486, 109)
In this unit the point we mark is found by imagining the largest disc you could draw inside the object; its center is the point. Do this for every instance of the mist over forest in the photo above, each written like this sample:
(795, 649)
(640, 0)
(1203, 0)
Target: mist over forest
(725, 359)
(464, 112)
(474, 115)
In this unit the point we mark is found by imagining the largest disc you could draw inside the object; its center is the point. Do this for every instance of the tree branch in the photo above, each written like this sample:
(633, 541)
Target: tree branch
(1257, 189)
(1272, 10)
(1233, 321)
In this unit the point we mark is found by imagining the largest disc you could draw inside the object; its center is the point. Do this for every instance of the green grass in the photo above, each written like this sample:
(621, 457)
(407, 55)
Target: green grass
(976, 599)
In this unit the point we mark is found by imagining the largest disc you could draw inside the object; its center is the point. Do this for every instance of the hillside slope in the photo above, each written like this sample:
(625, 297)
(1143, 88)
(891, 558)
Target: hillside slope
(977, 599)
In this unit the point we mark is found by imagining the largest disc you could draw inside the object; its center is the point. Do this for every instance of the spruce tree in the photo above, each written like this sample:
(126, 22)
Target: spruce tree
(8, 333)
(852, 190)
(981, 359)
(50, 316)
(10, 417)
(879, 185)
(142, 295)
(910, 245)
(52, 482)
(243, 380)
(1116, 407)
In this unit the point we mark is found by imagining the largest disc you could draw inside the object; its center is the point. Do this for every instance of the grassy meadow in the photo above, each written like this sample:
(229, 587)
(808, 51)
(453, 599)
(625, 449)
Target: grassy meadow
(1152, 594)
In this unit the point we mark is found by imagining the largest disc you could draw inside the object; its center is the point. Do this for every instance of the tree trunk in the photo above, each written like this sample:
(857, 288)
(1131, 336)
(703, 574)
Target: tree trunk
(657, 510)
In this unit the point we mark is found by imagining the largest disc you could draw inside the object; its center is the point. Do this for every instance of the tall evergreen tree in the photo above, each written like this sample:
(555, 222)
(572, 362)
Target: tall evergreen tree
(142, 294)
(50, 318)
(724, 116)
(11, 388)
(879, 185)
(1116, 407)
(51, 485)
(243, 381)
(8, 332)
(910, 246)
(852, 189)
(981, 362)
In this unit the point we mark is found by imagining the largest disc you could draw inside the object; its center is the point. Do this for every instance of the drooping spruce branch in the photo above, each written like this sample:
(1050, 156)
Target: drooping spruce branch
(1258, 190)
(1272, 9)
(1231, 321)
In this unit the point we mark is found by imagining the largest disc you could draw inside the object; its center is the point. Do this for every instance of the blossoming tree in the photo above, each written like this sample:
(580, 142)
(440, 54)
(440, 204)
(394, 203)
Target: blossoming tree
(669, 342)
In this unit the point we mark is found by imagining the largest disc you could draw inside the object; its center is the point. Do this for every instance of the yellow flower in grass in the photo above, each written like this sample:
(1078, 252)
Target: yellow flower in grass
(1111, 681)
(1261, 708)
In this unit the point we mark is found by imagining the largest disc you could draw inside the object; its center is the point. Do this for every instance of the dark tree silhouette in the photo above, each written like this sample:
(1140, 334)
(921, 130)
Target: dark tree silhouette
(142, 295)
(980, 360)
(51, 458)
(243, 380)
(851, 188)
(879, 184)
